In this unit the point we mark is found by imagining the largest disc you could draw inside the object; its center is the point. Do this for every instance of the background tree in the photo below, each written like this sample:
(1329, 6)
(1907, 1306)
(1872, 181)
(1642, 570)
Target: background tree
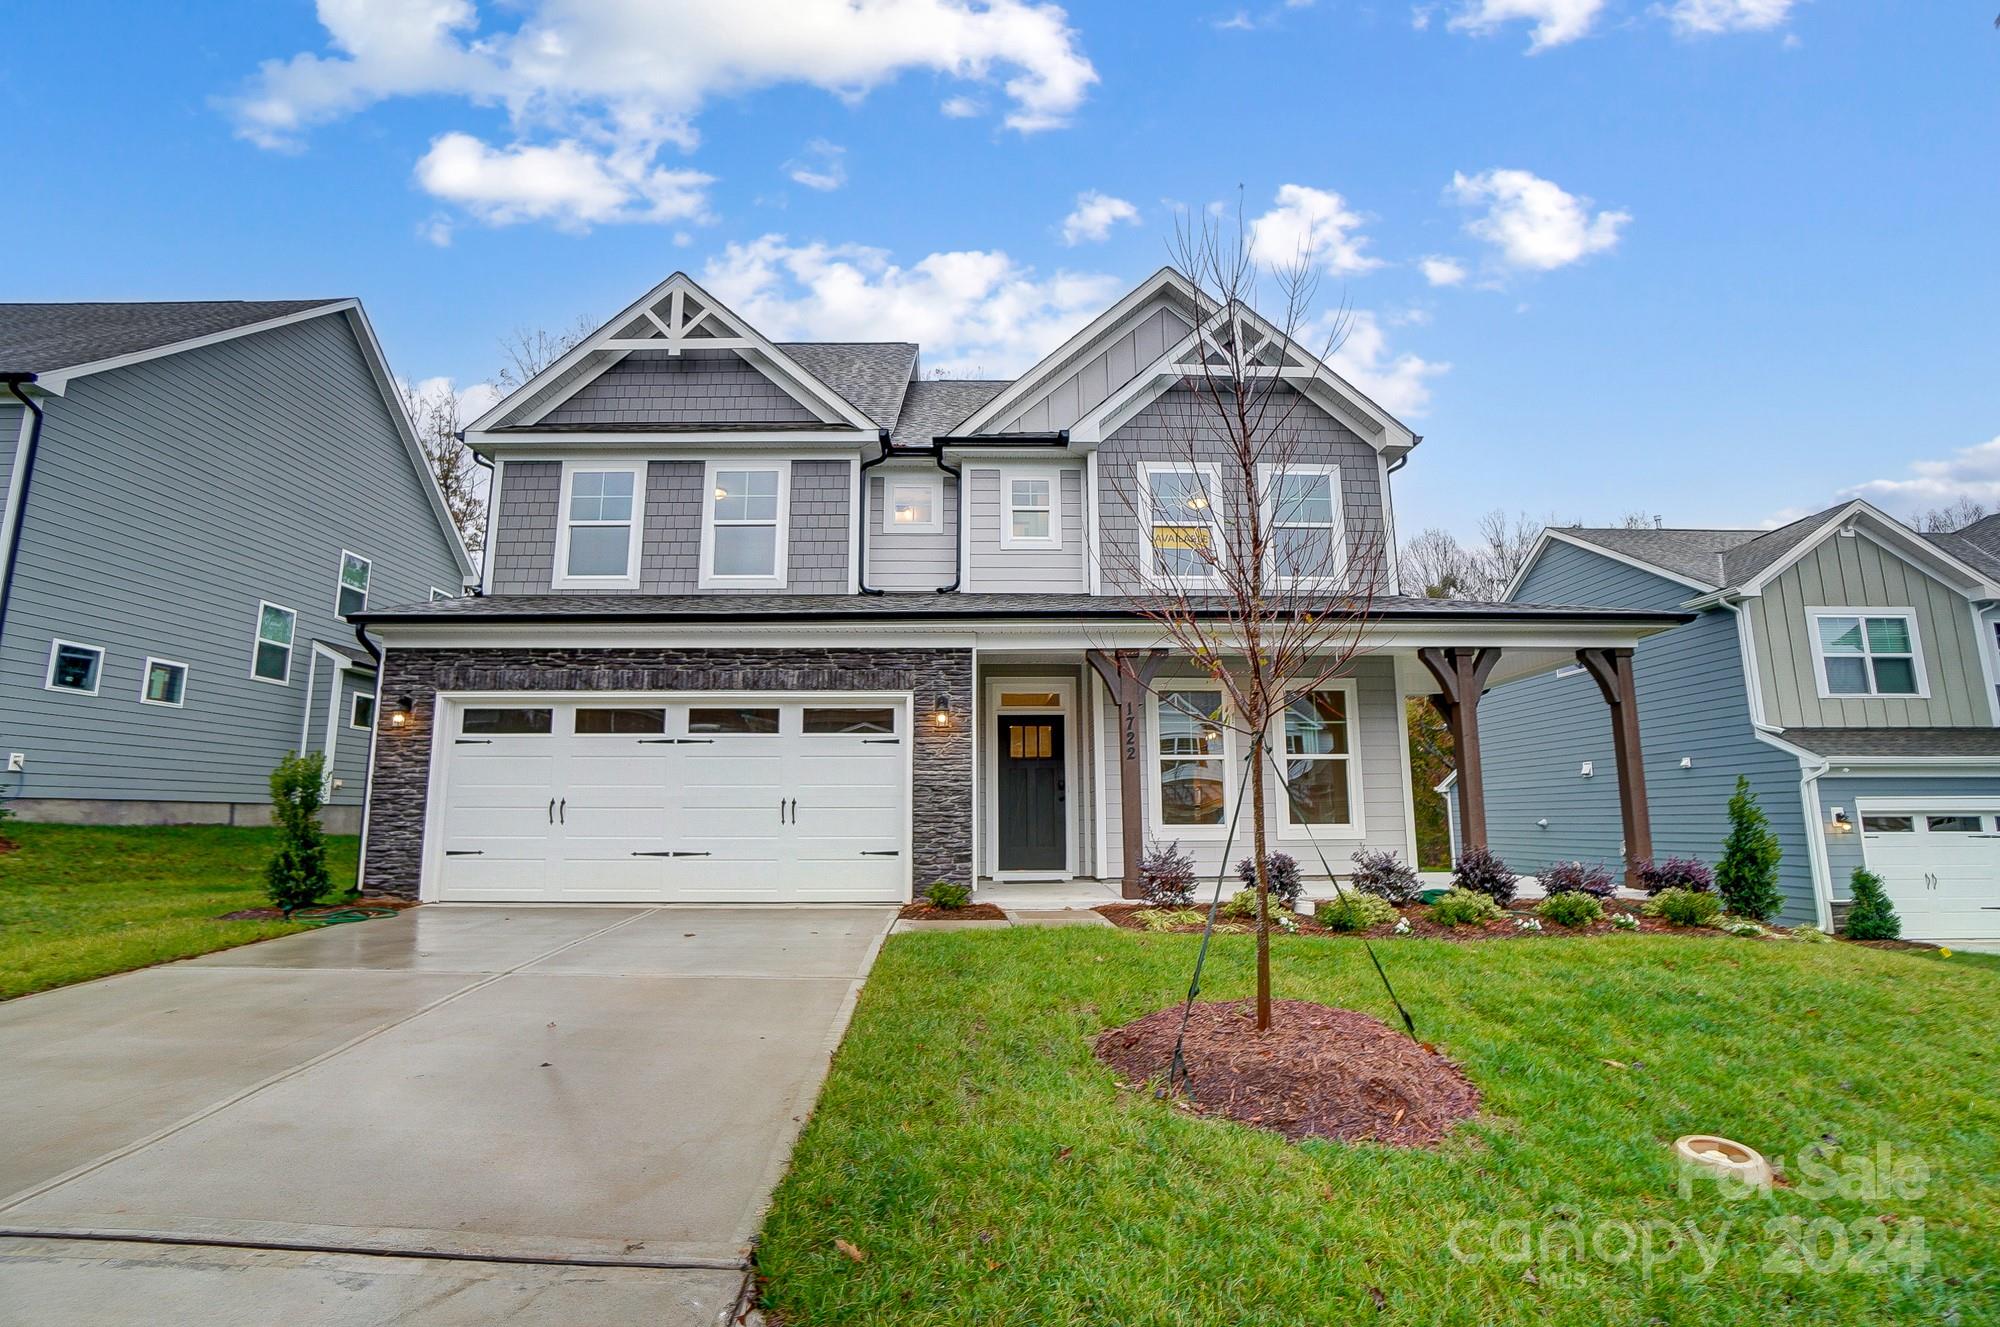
(437, 409)
(1954, 515)
(527, 351)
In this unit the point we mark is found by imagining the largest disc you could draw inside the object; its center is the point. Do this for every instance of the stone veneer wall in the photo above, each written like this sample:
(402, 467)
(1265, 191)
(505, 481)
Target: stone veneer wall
(942, 758)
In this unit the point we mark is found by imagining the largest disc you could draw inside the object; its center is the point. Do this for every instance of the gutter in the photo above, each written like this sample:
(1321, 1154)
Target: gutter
(1045, 438)
(18, 481)
(936, 452)
(972, 612)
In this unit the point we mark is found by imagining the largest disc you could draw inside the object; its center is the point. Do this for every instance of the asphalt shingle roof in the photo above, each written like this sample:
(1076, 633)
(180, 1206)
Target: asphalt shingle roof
(1897, 741)
(40, 338)
(1714, 558)
(871, 375)
(935, 407)
(1977, 545)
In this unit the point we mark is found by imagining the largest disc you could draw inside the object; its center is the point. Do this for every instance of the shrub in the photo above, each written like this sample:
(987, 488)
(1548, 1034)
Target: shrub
(1684, 907)
(1533, 924)
(1577, 878)
(1742, 926)
(1481, 872)
(1464, 907)
(1675, 873)
(1747, 875)
(949, 894)
(1166, 876)
(1872, 917)
(1166, 919)
(1624, 921)
(1282, 869)
(1386, 876)
(1242, 905)
(1812, 935)
(1355, 911)
(297, 877)
(1570, 908)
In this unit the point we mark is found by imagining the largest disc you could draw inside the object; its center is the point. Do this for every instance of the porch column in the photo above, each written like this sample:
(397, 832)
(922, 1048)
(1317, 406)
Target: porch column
(1613, 671)
(1461, 677)
(1128, 673)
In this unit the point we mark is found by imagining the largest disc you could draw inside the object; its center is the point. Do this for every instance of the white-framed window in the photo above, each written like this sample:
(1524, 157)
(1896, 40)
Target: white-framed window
(352, 595)
(74, 667)
(597, 542)
(1867, 652)
(745, 511)
(1183, 537)
(163, 683)
(271, 656)
(1317, 741)
(1031, 507)
(1191, 765)
(913, 504)
(361, 710)
(1302, 511)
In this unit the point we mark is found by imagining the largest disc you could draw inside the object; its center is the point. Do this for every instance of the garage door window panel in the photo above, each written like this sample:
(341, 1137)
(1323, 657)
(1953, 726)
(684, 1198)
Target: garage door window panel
(732, 721)
(607, 721)
(832, 721)
(497, 722)
(1954, 824)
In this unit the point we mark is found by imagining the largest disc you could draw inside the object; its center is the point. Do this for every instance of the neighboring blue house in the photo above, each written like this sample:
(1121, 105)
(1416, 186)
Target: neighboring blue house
(1844, 663)
(196, 496)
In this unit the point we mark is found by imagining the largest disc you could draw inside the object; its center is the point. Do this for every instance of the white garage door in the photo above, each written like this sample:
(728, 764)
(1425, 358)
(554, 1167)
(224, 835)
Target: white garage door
(1940, 866)
(767, 799)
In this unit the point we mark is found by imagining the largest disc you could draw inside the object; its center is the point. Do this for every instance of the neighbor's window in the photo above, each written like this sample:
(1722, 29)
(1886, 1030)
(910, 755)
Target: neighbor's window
(744, 519)
(272, 661)
(1181, 506)
(361, 711)
(732, 720)
(1305, 524)
(1867, 654)
(1031, 510)
(1191, 756)
(74, 667)
(914, 506)
(600, 521)
(353, 595)
(1318, 759)
(165, 682)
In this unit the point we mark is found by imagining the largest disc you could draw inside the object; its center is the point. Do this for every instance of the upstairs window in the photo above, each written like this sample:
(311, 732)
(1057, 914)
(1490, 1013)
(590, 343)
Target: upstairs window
(1184, 533)
(1302, 506)
(743, 542)
(352, 596)
(271, 660)
(598, 545)
(1030, 519)
(914, 505)
(1867, 653)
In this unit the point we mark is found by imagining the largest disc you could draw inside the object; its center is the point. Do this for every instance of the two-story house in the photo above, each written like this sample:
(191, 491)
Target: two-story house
(197, 494)
(1844, 663)
(795, 622)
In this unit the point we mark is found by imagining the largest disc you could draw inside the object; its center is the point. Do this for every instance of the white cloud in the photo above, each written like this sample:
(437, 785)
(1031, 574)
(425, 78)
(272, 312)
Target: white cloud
(1441, 271)
(972, 311)
(1420, 16)
(1094, 217)
(1314, 224)
(821, 166)
(1399, 383)
(960, 108)
(1237, 22)
(1533, 222)
(564, 183)
(1708, 18)
(437, 229)
(1971, 473)
(1556, 21)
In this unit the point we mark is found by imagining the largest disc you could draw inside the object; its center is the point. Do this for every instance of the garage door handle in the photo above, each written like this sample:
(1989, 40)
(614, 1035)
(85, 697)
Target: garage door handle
(474, 741)
(880, 741)
(795, 810)
(465, 852)
(562, 812)
(891, 852)
(552, 810)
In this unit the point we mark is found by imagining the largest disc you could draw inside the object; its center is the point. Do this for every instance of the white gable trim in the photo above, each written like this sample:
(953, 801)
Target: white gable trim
(1877, 525)
(1542, 542)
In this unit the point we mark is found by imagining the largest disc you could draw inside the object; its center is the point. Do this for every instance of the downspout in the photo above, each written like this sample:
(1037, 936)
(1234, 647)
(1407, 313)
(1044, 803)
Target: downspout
(486, 535)
(18, 491)
(958, 518)
(368, 769)
(861, 539)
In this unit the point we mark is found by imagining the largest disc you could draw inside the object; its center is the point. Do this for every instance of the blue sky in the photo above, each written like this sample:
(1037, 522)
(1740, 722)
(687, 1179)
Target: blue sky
(1715, 259)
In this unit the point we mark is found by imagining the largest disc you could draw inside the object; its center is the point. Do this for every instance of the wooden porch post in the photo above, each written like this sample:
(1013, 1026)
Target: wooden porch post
(1127, 673)
(1613, 671)
(1461, 677)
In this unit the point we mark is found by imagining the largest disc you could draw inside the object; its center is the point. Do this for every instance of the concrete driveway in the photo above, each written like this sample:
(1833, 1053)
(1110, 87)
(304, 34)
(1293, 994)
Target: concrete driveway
(464, 1114)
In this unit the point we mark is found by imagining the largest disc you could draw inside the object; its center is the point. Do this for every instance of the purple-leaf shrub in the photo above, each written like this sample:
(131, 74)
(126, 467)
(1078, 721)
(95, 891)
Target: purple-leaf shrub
(1478, 870)
(1576, 878)
(1675, 873)
(1386, 876)
(1283, 870)
(1166, 876)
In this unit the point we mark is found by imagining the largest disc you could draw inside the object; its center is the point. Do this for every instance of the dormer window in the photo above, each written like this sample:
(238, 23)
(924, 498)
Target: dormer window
(743, 528)
(598, 544)
(914, 504)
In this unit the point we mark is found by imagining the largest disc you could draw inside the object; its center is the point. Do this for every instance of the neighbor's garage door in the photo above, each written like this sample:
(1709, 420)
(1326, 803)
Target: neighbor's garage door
(674, 799)
(1940, 866)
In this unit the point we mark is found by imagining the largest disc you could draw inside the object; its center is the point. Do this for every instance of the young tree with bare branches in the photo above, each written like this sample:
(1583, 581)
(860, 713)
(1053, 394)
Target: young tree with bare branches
(435, 412)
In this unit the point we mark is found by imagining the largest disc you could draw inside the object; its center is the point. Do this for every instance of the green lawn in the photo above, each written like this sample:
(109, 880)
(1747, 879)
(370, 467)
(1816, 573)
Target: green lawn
(78, 902)
(989, 1171)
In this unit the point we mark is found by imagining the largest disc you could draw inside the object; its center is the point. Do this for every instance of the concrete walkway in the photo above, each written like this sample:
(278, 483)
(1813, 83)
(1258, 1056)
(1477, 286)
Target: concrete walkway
(464, 1114)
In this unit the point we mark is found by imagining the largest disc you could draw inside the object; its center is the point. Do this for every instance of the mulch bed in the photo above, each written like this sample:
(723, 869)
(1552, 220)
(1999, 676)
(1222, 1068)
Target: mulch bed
(1127, 915)
(1319, 1072)
(303, 914)
(923, 911)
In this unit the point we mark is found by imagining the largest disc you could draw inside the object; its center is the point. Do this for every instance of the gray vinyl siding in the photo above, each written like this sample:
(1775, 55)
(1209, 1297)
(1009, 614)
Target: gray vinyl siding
(333, 690)
(169, 498)
(1860, 573)
(1693, 703)
(1099, 374)
(10, 437)
(695, 387)
(524, 536)
(1844, 850)
(899, 560)
(1160, 434)
(992, 568)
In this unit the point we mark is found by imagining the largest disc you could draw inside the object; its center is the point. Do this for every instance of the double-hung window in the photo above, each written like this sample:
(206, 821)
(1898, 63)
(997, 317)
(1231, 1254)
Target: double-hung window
(271, 660)
(1302, 511)
(1030, 517)
(743, 535)
(1867, 652)
(598, 544)
(1191, 755)
(913, 504)
(1184, 529)
(352, 596)
(1319, 758)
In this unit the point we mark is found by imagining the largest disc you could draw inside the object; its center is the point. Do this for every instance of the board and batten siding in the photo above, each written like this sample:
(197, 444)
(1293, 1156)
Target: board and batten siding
(1860, 573)
(991, 568)
(1100, 373)
(1537, 733)
(170, 496)
(524, 532)
(900, 559)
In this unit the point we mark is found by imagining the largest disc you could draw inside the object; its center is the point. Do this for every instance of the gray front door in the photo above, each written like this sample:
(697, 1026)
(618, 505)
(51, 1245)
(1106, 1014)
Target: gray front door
(1031, 793)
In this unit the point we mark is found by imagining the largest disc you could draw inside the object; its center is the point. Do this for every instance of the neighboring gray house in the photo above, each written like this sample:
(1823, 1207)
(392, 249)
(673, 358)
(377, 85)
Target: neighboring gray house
(1844, 663)
(794, 622)
(196, 495)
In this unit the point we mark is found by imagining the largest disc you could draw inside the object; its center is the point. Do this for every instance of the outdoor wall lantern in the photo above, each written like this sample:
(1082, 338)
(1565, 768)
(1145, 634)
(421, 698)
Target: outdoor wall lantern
(941, 711)
(399, 717)
(1840, 823)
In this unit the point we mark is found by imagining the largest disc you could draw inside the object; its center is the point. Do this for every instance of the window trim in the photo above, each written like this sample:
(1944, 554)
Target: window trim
(1009, 474)
(1157, 825)
(354, 699)
(933, 482)
(560, 577)
(1356, 825)
(97, 679)
(1916, 655)
(437, 594)
(1154, 576)
(257, 640)
(707, 577)
(340, 580)
(1268, 474)
(146, 675)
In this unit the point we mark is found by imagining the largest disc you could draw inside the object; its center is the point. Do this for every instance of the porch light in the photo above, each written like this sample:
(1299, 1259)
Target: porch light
(941, 711)
(399, 717)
